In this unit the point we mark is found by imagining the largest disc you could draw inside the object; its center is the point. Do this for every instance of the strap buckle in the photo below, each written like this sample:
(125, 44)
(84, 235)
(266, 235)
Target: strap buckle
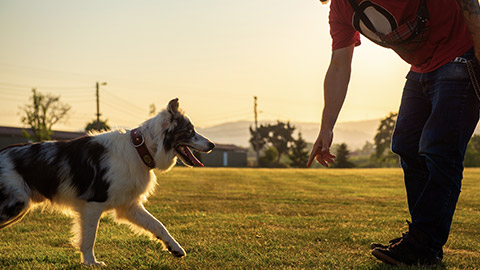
(460, 60)
(135, 138)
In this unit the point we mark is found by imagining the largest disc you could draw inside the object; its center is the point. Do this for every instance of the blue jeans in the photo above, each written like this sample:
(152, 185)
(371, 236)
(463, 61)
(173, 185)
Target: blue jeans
(437, 117)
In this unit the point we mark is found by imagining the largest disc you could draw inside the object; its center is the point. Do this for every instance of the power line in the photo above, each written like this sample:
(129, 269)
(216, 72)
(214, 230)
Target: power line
(24, 96)
(84, 100)
(244, 115)
(44, 70)
(46, 87)
(11, 97)
(14, 92)
(123, 101)
(125, 111)
(77, 94)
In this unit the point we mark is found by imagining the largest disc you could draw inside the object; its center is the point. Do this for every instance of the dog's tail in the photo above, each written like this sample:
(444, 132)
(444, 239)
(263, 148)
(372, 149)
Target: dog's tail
(12, 207)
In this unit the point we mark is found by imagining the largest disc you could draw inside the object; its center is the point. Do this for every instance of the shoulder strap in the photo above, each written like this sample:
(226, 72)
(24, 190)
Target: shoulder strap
(362, 16)
(422, 14)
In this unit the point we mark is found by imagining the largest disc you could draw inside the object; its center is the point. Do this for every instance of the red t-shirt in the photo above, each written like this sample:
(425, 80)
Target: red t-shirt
(448, 36)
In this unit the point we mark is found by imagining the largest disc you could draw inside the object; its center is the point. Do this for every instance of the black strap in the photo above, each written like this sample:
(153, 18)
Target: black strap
(422, 15)
(362, 16)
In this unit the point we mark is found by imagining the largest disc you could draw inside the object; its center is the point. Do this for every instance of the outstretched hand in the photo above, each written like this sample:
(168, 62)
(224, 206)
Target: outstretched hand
(321, 150)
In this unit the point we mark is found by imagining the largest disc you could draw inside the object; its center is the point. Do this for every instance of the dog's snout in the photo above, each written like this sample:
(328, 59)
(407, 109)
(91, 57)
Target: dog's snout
(210, 146)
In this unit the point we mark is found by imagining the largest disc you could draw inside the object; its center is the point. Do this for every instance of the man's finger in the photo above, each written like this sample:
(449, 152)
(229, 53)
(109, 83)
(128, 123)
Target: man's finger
(329, 160)
(321, 161)
(329, 155)
(312, 156)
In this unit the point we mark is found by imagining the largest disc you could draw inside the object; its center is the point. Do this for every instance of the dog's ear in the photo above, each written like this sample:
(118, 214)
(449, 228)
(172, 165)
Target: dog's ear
(173, 107)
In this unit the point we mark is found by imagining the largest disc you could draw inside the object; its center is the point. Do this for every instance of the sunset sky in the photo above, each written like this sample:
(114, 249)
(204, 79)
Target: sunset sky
(214, 55)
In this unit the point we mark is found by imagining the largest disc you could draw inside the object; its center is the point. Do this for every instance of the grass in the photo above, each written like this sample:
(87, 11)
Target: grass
(254, 219)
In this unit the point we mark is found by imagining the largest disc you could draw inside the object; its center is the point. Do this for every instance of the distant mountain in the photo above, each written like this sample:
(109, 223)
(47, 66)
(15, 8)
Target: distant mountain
(354, 134)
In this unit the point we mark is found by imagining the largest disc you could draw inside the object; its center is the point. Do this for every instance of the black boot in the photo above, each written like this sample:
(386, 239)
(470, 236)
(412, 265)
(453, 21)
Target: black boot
(391, 242)
(411, 249)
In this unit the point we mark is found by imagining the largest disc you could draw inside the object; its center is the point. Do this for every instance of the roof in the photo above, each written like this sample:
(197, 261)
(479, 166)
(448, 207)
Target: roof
(229, 147)
(67, 135)
(57, 135)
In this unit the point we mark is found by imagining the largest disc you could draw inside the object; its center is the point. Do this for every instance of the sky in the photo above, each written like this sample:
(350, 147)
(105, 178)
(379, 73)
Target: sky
(214, 55)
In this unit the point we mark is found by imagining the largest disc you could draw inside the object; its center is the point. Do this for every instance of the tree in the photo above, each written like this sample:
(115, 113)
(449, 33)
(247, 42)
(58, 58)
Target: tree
(383, 139)
(298, 153)
(268, 158)
(40, 116)
(365, 157)
(278, 135)
(342, 157)
(93, 125)
(368, 149)
(281, 137)
(258, 137)
(472, 156)
(152, 110)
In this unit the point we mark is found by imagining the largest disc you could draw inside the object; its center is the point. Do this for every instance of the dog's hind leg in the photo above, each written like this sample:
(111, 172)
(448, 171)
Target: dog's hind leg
(89, 216)
(138, 215)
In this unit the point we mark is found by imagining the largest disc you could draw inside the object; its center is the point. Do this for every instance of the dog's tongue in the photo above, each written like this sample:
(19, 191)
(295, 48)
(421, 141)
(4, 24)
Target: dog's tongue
(192, 158)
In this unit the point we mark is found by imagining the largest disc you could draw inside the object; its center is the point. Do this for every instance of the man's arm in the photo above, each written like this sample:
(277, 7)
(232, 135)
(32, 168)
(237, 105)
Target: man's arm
(471, 12)
(335, 90)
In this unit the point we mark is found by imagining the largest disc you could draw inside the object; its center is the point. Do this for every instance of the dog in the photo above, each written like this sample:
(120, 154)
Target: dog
(97, 173)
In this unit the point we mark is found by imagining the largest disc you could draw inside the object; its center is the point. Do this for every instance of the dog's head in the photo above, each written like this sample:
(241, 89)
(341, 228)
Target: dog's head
(180, 137)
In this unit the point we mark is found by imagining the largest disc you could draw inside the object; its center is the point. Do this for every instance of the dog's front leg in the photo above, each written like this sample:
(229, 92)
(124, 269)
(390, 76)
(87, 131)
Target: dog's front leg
(89, 217)
(139, 216)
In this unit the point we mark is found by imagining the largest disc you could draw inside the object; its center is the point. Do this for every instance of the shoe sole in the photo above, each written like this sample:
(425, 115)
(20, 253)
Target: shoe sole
(385, 258)
(375, 245)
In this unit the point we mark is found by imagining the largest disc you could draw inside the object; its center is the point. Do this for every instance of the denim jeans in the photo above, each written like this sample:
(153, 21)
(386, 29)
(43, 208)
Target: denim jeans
(437, 117)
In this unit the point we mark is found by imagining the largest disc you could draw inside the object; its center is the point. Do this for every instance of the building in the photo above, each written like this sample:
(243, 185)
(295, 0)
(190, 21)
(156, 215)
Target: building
(225, 155)
(13, 135)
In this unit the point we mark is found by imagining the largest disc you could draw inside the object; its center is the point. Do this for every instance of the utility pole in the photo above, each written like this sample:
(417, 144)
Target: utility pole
(36, 105)
(98, 103)
(256, 129)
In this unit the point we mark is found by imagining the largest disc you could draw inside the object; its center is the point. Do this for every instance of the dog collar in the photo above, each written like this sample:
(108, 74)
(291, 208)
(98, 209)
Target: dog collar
(138, 141)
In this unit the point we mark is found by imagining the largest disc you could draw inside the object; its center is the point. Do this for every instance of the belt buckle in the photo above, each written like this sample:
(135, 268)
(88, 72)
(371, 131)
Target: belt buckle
(460, 60)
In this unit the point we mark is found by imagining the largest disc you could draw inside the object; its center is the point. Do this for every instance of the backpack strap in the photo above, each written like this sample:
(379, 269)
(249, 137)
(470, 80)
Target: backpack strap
(422, 15)
(362, 16)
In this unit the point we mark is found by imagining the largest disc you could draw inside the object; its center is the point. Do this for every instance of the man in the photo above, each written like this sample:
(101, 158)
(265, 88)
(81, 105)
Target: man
(438, 112)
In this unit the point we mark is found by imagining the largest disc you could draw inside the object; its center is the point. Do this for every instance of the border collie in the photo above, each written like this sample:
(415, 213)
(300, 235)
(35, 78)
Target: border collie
(110, 171)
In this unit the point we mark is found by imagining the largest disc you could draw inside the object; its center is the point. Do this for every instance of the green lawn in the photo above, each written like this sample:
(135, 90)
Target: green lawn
(254, 219)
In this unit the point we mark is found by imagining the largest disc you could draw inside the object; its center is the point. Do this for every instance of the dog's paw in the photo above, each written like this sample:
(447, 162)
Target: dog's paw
(177, 252)
(94, 264)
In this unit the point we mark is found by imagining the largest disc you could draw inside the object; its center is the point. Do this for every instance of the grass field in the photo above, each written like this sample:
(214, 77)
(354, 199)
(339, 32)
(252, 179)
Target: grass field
(254, 219)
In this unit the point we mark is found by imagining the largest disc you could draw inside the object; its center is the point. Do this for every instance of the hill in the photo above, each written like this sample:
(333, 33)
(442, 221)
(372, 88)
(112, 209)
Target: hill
(354, 134)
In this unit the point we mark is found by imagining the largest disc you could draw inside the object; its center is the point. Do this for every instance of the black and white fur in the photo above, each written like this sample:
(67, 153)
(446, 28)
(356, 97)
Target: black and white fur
(98, 173)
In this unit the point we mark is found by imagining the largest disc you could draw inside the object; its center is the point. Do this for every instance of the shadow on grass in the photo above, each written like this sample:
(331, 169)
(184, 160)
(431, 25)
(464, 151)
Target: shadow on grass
(384, 266)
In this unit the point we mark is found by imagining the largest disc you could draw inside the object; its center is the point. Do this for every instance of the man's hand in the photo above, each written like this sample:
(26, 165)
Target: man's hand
(321, 149)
